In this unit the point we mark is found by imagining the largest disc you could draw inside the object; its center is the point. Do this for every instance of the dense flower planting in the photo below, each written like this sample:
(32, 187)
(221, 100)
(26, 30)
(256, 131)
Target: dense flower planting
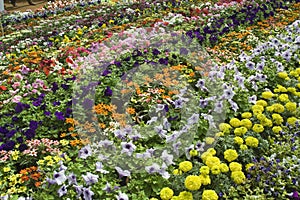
(151, 100)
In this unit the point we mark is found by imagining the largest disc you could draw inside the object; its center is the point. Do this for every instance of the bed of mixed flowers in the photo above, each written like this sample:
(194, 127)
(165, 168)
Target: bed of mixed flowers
(170, 100)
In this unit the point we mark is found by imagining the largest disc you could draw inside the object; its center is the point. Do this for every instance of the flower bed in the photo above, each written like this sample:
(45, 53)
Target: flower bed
(97, 100)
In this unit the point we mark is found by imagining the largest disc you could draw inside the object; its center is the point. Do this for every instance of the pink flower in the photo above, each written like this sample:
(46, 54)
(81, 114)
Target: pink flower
(19, 76)
(16, 84)
(17, 99)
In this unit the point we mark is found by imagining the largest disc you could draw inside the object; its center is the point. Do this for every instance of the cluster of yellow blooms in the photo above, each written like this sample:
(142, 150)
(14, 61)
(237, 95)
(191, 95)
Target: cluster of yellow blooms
(267, 114)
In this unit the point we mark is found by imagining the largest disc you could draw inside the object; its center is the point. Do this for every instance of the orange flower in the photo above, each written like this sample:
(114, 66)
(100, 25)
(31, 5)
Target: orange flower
(24, 178)
(63, 135)
(130, 110)
(37, 184)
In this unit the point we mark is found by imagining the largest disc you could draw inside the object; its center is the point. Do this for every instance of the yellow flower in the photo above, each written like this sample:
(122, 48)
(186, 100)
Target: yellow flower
(246, 123)
(247, 115)
(243, 147)
(215, 169)
(240, 131)
(276, 129)
(238, 177)
(267, 122)
(209, 195)
(283, 75)
(153, 198)
(298, 70)
(219, 134)
(238, 140)
(292, 90)
(50, 163)
(212, 161)
(41, 162)
(291, 120)
(224, 168)
(251, 141)
(277, 119)
(166, 193)
(258, 128)
(278, 108)
(262, 103)
(224, 127)
(64, 142)
(248, 166)
(230, 155)
(204, 170)
(6, 169)
(291, 106)
(235, 122)
(205, 155)
(15, 155)
(48, 158)
(103, 26)
(205, 179)
(209, 140)
(192, 182)
(283, 98)
(185, 166)
(177, 172)
(234, 166)
(185, 196)
(193, 153)
(267, 95)
(211, 151)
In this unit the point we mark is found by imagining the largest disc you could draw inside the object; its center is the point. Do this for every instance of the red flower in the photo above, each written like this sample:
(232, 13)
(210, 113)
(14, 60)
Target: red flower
(2, 87)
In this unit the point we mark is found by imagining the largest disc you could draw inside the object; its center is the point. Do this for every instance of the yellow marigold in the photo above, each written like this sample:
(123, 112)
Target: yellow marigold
(246, 123)
(267, 95)
(205, 179)
(204, 170)
(283, 75)
(243, 147)
(276, 129)
(192, 182)
(291, 120)
(215, 169)
(278, 108)
(224, 127)
(238, 140)
(238, 177)
(248, 166)
(283, 98)
(193, 153)
(219, 134)
(166, 193)
(224, 168)
(235, 122)
(247, 115)
(261, 117)
(277, 118)
(185, 166)
(291, 106)
(298, 85)
(177, 172)
(262, 103)
(205, 155)
(292, 90)
(252, 141)
(230, 155)
(240, 131)
(209, 140)
(153, 198)
(6, 169)
(212, 161)
(185, 196)
(298, 70)
(209, 195)
(235, 166)
(267, 122)
(258, 128)
(211, 151)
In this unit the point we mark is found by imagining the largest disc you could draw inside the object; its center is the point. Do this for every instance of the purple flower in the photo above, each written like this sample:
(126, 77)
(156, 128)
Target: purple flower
(128, 148)
(252, 99)
(218, 106)
(167, 158)
(108, 91)
(250, 65)
(56, 103)
(178, 103)
(122, 196)
(88, 104)
(78, 189)
(122, 172)
(183, 51)
(87, 193)
(59, 115)
(90, 178)
(72, 179)
(47, 113)
(160, 131)
(59, 177)
(62, 191)
(154, 168)
(155, 52)
(85, 152)
(99, 168)
(228, 93)
(54, 87)
(33, 125)
(193, 119)
(23, 147)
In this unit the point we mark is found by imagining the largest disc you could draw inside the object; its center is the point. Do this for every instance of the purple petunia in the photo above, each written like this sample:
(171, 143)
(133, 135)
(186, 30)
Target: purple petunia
(108, 91)
(90, 178)
(60, 115)
(85, 152)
